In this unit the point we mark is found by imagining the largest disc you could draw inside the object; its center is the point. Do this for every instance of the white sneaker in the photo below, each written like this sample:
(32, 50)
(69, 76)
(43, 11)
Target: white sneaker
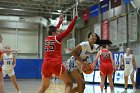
(134, 89)
(19, 92)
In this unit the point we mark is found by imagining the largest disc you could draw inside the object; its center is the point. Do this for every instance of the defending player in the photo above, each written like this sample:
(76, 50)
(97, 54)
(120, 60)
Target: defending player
(9, 64)
(53, 58)
(106, 64)
(130, 67)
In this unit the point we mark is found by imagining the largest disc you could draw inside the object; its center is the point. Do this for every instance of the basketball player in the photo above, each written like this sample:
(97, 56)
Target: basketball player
(8, 67)
(106, 64)
(130, 67)
(1, 76)
(81, 54)
(53, 58)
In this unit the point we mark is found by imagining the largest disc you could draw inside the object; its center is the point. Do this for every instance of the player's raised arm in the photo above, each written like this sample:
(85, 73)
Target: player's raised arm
(61, 19)
(67, 31)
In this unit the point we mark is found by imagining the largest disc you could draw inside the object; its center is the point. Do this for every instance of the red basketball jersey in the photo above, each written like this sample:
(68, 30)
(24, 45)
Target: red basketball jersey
(105, 56)
(52, 48)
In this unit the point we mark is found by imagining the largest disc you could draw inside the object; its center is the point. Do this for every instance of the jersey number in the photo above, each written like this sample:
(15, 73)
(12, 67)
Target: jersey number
(49, 45)
(8, 62)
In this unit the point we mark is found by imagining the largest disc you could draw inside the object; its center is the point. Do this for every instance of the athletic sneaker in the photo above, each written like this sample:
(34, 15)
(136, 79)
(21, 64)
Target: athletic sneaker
(125, 89)
(134, 89)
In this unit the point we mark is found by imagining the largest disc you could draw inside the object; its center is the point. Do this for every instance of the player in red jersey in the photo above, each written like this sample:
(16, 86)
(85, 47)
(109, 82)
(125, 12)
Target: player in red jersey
(106, 64)
(1, 76)
(52, 63)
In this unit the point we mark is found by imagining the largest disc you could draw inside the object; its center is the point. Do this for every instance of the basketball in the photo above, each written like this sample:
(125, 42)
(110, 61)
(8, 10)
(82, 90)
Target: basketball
(87, 68)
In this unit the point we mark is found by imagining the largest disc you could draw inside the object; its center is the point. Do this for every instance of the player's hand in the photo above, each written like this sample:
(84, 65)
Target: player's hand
(76, 14)
(135, 68)
(11, 68)
(114, 68)
(61, 18)
(118, 67)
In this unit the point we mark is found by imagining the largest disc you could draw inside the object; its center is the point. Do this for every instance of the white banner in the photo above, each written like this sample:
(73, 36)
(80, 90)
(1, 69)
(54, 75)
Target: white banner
(113, 32)
(132, 28)
(122, 34)
(97, 29)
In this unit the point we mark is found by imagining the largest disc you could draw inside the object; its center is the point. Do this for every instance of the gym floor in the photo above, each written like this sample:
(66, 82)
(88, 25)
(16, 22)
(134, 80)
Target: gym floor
(32, 85)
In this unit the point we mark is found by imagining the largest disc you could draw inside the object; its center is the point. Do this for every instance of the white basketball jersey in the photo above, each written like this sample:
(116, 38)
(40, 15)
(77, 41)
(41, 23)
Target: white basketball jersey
(128, 61)
(8, 59)
(85, 54)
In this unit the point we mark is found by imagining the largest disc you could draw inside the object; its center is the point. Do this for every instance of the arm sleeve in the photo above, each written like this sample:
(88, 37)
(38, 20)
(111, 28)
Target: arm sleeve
(59, 23)
(67, 31)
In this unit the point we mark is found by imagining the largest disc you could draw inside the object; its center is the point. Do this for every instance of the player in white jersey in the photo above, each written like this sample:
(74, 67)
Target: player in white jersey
(129, 67)
(81, 53)
(8, 67)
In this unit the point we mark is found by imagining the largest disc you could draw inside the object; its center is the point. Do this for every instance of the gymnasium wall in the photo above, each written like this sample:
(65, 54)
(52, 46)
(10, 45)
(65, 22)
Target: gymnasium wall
(28, 37)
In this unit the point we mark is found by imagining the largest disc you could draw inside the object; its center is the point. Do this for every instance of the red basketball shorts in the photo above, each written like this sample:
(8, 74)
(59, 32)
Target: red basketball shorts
(50, 67)
(106, 68)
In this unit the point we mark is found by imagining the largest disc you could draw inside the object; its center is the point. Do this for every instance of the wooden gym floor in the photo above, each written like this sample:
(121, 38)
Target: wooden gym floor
(31, 86)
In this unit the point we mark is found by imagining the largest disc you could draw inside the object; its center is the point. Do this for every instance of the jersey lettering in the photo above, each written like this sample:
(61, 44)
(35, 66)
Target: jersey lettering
(128, 60)
(105, 55)
(8, 62)
(49, 45)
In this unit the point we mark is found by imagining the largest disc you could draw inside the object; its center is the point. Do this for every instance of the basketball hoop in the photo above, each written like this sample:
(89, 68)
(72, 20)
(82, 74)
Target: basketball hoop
(67, 50)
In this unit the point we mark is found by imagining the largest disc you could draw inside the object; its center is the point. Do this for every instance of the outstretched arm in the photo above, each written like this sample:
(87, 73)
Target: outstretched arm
(96, 59)
(66, 32)
(122, 60)
(60, 21)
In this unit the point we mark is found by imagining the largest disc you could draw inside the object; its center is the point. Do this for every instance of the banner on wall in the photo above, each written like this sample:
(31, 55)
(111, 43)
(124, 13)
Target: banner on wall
(105, 29)
(113, 31)
(94, 10)
(97, 29)
(115, 3)
(85, 15)
(132, 28)
(127, 1)
(117, 57)
(122, 34)
(104, 6)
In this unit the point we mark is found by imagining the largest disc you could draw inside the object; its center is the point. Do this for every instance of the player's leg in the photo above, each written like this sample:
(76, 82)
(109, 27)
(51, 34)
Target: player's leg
(1, 82)
(105, 83)
(110, 82)
(67, 80)
(110, 75)
(125, 82)
(46, 77)
(102, 82)
(13, 78)
(74, 70)
(79, 79)
(61, 73)
(44, 85)
(103, 73)
(132, 79)
(126, 74)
